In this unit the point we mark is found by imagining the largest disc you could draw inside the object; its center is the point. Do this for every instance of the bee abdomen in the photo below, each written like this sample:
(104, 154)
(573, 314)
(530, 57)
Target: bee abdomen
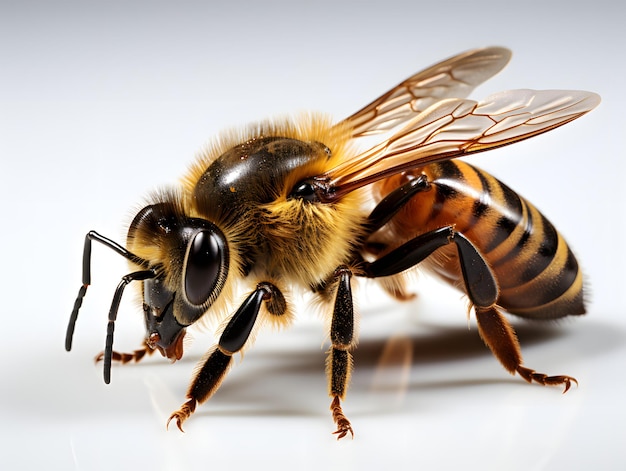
(539, 277)
(537, 273)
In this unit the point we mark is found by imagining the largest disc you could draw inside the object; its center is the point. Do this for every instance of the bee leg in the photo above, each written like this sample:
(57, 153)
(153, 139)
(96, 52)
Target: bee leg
(500, 337)
(395, 201)
(210, 374)
(493, 327)
(480, 283)
(339, 360)
(381, 215)
(482, 290)
(124, 358)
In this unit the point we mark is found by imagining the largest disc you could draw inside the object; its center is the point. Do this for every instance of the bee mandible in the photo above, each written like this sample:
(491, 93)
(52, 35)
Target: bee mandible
(286, 206)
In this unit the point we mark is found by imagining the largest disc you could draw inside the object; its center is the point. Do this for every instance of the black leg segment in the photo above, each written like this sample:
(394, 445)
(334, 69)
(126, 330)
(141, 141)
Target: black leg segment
(342, 325)
(240, 325)
(394, 201)
(339, 359)
(210, 374)
(480, 283)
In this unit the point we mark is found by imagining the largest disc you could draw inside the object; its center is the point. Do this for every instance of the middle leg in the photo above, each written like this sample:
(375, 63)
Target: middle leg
(339, 360)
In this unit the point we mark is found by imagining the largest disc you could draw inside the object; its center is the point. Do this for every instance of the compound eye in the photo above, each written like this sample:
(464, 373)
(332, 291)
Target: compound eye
(206, 266)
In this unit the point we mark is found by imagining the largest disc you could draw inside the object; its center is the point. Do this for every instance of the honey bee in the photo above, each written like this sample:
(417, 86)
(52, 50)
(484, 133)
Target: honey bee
(297, 205)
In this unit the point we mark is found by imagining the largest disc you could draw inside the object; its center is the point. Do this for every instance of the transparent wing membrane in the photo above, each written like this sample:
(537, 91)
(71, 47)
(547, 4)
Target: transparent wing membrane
(455, 127)
(452, 78)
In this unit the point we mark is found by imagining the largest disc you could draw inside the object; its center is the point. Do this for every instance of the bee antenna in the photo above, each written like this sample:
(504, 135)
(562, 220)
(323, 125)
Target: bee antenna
(115, 304)
(93, 235)
(72, 323)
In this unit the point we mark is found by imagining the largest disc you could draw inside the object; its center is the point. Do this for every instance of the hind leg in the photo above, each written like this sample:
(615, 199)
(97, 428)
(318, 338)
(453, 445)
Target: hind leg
(500, 337)
(481, 288)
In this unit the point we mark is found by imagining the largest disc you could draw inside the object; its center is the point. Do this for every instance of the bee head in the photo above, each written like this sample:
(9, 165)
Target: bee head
(190, 260)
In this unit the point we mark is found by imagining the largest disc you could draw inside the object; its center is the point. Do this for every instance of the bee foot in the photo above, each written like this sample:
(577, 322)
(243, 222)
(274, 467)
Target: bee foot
(543, 379)
(343, 424)
(123, 358)
(182, 414)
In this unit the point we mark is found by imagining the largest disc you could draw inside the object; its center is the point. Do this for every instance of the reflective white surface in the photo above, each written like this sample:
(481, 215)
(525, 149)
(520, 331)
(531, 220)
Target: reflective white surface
(99, 105)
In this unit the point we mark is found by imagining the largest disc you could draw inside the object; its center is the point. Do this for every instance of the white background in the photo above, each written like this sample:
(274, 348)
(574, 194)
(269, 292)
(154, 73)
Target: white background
(101, 103)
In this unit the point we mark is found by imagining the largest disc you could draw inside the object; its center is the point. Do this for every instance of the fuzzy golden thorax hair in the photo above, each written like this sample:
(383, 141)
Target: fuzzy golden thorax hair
(275, 234)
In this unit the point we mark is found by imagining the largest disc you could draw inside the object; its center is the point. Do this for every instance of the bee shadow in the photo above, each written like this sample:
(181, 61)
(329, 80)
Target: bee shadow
(272, 385)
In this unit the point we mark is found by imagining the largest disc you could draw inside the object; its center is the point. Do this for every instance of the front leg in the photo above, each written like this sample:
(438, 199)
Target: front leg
(209, 375)
(123, 358)
(339, 360)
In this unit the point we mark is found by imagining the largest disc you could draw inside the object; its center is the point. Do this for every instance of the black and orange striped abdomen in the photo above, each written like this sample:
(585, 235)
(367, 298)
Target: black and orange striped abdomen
(537, 273)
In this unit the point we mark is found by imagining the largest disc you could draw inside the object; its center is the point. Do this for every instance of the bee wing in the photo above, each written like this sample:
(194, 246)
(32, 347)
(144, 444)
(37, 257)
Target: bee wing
(455, 127)
(453, 78)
